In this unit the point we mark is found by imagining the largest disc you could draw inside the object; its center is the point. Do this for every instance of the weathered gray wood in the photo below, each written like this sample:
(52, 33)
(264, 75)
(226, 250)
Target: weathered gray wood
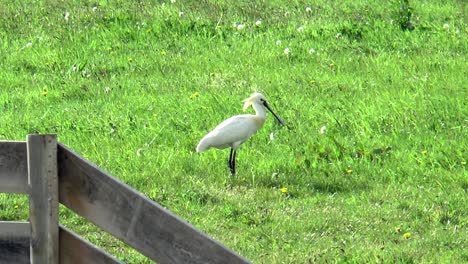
(133, 218)
(14, 242)
(75, 250)
(13, 167)
(43, 198)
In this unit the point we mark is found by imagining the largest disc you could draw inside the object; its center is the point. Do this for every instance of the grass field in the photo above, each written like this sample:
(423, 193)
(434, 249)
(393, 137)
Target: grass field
(371, 166)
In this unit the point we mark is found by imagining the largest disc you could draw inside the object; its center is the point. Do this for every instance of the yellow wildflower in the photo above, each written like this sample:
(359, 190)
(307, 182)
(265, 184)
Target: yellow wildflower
(194, 95)
(284, 190)
(44, 92)
(349, 171)
(407, 235)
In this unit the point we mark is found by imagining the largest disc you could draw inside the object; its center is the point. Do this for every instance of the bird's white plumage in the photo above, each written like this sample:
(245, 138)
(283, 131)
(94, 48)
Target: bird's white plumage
(230, 133)
(233, 131)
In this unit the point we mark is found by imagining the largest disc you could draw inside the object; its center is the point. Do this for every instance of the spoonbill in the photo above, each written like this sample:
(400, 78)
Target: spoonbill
(234, 131)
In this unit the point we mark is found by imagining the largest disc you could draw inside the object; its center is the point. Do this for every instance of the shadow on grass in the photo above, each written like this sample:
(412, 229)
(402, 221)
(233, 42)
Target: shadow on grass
(303, 186)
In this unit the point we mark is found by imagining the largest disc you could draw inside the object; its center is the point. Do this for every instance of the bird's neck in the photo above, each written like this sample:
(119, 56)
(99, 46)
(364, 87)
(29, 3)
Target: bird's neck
(259, 111)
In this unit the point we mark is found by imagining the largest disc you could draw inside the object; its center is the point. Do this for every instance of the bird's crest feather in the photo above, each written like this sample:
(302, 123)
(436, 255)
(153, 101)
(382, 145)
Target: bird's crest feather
(247, 103)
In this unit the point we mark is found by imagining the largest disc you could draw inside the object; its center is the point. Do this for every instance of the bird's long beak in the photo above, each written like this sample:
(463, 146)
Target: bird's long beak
(269, 109)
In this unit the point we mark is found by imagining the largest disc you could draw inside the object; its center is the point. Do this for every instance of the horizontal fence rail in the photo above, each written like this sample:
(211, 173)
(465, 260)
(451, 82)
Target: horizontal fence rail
(100, 198)
(13, 167)
(133, 218)
(14, 242)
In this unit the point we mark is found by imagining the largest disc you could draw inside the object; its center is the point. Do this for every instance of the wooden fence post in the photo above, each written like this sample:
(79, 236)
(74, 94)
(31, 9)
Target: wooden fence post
(43, 198)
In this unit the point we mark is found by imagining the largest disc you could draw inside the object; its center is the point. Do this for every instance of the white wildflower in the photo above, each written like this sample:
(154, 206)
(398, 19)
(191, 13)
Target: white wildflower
(278, 42)
(308, 9)
(272, 136)
(300, 29)
(312, 51)
(67, 14)
(323, 129)
(286, 51)
(240, 26)
(258, 23)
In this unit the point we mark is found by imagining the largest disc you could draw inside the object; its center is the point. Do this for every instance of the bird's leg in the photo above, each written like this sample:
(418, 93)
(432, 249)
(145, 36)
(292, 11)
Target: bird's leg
(230, 161)
(233, 169)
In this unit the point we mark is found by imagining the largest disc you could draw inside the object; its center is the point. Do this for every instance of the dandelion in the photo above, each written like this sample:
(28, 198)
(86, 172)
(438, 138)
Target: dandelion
(258, 23)
(308, 9)
(194, 95)
(407, 235)
(349, 171)
(311, 51)
(300, 29)
(67, 14)
(44, 92)
(323, 129)
(287, 51)
(278, 42)
(16, 206)
(284, 190)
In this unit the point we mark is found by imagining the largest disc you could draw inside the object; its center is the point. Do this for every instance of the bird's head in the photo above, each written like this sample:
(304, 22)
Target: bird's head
(254, 98)
(258, 98)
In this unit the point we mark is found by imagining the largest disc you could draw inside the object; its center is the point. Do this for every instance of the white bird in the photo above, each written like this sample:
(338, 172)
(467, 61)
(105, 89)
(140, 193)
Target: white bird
(234, 131)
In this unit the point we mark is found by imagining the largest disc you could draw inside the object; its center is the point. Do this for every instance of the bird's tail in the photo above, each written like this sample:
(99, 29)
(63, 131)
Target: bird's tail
(203, 145)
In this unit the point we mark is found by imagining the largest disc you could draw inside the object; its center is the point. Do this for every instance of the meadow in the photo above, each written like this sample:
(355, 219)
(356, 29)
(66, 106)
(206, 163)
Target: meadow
(370, 167)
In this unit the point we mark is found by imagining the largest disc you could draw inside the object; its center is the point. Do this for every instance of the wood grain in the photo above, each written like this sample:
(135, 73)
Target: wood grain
(75, 250)
(43, 198)
(14, 242)
(13, 167)
(133, 218)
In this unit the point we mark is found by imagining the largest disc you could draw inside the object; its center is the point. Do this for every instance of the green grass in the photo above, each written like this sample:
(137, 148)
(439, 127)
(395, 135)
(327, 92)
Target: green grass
(118, 86)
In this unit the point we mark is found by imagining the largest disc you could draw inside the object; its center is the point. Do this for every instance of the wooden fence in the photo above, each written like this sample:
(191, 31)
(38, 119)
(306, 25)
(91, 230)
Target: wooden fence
(50, 173)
